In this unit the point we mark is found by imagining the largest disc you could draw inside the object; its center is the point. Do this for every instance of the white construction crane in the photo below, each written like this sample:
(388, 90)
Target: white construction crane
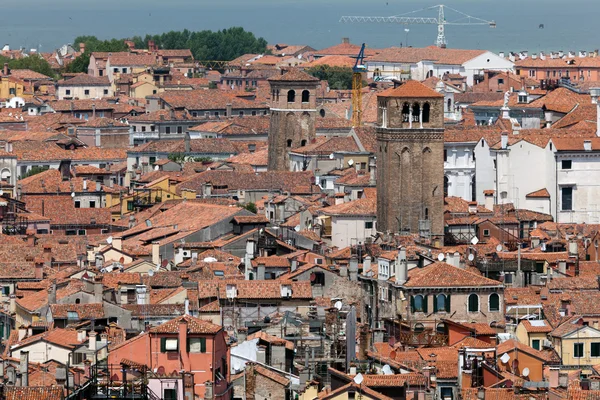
(440, 21)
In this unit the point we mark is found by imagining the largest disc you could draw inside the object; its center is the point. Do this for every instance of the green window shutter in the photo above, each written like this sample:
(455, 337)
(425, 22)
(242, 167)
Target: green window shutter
(412, 304)
(435, 303)
(448, 303)
(202, 345)
(187, 345)
(425, 301)
(163, 345)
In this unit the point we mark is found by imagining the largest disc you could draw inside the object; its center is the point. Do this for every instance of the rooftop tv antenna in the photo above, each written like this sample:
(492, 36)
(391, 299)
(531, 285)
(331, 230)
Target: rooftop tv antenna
(440, 21)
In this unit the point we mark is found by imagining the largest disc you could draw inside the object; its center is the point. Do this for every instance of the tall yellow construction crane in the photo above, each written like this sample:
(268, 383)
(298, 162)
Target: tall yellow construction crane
(357, 72)
(440, 21)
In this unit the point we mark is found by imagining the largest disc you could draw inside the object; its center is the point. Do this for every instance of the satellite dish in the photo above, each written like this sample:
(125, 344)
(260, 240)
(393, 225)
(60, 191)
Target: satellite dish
(331, 156)
(151, 272)
(393, 354)
(350, 162)
(297, 228)
(387, 370)
(156, 167)
(165, 263)
(109, 240)
(338, 304)
(441, 257)
(525, 371)
(505, 358)
(72, 194)
(499, 247)
(474, 241)
(471, 257)
(358, 379)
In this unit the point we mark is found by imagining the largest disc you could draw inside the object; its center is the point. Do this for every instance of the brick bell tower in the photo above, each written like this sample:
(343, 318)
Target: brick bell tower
(293, 115)
(410, 161)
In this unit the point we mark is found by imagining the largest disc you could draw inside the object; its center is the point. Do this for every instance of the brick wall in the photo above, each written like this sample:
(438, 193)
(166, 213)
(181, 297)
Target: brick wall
(410, 169)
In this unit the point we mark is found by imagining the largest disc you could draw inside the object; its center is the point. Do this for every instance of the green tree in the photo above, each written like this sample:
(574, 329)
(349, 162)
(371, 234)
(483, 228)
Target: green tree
(33, 62)
(251, 207)
(338, 77)
(34, 171)
(80, 64)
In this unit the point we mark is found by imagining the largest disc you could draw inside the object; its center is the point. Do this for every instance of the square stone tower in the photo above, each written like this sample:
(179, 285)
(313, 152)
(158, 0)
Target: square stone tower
(410, 160)
(293, 115)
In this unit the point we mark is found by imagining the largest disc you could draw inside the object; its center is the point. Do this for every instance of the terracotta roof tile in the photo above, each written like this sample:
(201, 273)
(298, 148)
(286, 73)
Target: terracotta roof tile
(539, 327)
(34, 393)
(440, 274)
(194, 326)
(432, 53)
(294, 75)
(84, 311)
(412, 89)
(364, 207)
(271, 339)
(542, 193)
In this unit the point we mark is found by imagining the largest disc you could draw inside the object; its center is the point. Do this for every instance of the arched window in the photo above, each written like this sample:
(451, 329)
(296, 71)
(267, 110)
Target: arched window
(473, 189)
(5, 175)
(291, 96)
(405, 112)
(426, 213)
(305, 96)
(419, 303)
(473, 303)
(289, 143)
(77, 301)
(494, 302)
(440, 303)
(441, 328)
(416, 111)
(322, 112)
(449, 105)
(303, 143)
(446, 185)
(418, 328)
(426, 109)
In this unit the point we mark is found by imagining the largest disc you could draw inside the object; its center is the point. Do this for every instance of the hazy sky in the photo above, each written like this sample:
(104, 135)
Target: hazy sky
(51, 23)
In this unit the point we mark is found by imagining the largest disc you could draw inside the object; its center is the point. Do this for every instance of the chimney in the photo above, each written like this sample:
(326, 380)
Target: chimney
(489, 199)
(260, 271)
(372, 172)
(402, 266)
(5, 71)
(30, 237)
(81, 336)
(98, 186)
(501, 54)
(229, 110)
(353, 269)
(52, 294)
(117, 243)
(93, 110)
(47, 251)
(553, 376)
(456, 259)
(363, 346)
(156, 253)
(345, 40)
(39, 268)
(504, 140)
(24, 368)
(84, 184)
(98, 289)
(242, 334)
(186, 306)
(186, 139)
(22, 332)
(366, 264)
(92, 344)
(587, 145)
(472, 207)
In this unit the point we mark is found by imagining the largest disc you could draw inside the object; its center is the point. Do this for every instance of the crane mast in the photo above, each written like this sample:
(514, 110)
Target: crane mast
(440, 21)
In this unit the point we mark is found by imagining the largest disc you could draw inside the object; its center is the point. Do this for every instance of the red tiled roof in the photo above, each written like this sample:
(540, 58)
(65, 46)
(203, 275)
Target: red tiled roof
(542, 193)
(440, 274)
(34, 393)
(539, 327)
(432, 53)
(271, 339)
(411, 89)
(84, 311)
(293, 75)
(363, 207)
(85, 80)
(194, 326)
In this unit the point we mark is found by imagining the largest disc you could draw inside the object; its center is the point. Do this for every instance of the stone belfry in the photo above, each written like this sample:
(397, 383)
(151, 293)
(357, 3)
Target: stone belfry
(293, 115)
(410, 160)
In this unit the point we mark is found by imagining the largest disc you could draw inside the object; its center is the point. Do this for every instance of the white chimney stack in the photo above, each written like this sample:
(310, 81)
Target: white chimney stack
(595, 93)
(504, 140)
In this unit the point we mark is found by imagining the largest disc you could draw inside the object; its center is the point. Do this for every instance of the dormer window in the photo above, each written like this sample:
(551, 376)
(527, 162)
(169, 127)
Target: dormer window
(523, 97)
